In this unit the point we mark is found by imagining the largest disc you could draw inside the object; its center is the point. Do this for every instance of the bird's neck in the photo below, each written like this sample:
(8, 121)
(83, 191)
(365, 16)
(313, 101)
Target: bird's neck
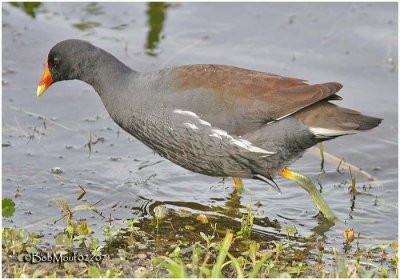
(105, 73)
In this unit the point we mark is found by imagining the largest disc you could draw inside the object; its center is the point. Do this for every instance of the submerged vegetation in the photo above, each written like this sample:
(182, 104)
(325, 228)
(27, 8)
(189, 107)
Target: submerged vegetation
(174, 244)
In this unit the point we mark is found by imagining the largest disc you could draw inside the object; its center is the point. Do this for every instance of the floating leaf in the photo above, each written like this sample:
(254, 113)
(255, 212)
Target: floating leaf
(83, 207)
(63, 240)
(83, 26)
(8, 207)
(29, 8)
(31, 249)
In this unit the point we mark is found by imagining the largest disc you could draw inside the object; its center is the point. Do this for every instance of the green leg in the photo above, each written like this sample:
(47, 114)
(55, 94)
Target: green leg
(321, 152)
(308, 185)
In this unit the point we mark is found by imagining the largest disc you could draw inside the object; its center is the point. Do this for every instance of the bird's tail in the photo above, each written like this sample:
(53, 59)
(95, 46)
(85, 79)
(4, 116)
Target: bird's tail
(327, 120)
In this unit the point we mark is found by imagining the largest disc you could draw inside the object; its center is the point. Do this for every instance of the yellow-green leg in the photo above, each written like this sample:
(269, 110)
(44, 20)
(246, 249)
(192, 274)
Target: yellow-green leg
(306, 183)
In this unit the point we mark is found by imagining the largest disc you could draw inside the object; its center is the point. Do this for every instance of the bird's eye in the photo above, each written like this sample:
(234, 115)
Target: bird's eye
(57, 61)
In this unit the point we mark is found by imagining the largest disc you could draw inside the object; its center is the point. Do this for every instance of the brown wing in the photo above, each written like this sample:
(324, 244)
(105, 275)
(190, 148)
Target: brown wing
(282, 95)
(246, 95)
(287, 101)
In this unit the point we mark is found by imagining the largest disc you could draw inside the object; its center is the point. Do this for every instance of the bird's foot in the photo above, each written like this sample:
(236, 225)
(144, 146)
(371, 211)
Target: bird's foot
(238, 183)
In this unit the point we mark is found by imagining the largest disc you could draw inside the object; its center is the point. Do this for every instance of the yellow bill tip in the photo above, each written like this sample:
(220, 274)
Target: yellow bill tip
(40, 90)
(45, 82)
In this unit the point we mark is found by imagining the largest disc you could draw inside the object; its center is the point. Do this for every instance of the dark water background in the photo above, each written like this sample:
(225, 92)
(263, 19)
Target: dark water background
(355, 44)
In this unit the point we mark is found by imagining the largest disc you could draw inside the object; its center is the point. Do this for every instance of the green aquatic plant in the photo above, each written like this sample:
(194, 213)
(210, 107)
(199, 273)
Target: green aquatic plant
(132, 225)
(7, 207)
(208, 239)
(94, 246)
(211, 252)
(28, 7)
(216, 272)
(225, 262)
(230, 257)
(16, 242)
(247, 223)
(84, 26)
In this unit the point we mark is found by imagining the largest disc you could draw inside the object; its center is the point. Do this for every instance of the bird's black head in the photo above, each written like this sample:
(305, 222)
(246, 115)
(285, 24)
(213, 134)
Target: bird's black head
(67, 60)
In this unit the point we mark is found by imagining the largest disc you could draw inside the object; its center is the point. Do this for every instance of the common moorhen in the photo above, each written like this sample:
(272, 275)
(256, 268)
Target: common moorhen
(216, 120)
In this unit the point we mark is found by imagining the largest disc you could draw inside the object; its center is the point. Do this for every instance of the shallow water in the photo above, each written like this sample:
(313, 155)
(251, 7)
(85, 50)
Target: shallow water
(355, 44)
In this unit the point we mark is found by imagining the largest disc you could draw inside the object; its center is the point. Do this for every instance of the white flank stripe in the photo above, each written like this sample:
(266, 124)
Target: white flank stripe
(241, 142)
(190, 125)
(221, 132)
(186, 113)
(215, 135)
(204, 122)
(255, 149)
(245, 142)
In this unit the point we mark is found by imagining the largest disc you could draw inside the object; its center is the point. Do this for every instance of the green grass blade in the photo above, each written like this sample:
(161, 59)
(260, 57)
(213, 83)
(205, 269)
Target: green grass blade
(236, 265)
(257, 268)
(226, 243)
(177, 269)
